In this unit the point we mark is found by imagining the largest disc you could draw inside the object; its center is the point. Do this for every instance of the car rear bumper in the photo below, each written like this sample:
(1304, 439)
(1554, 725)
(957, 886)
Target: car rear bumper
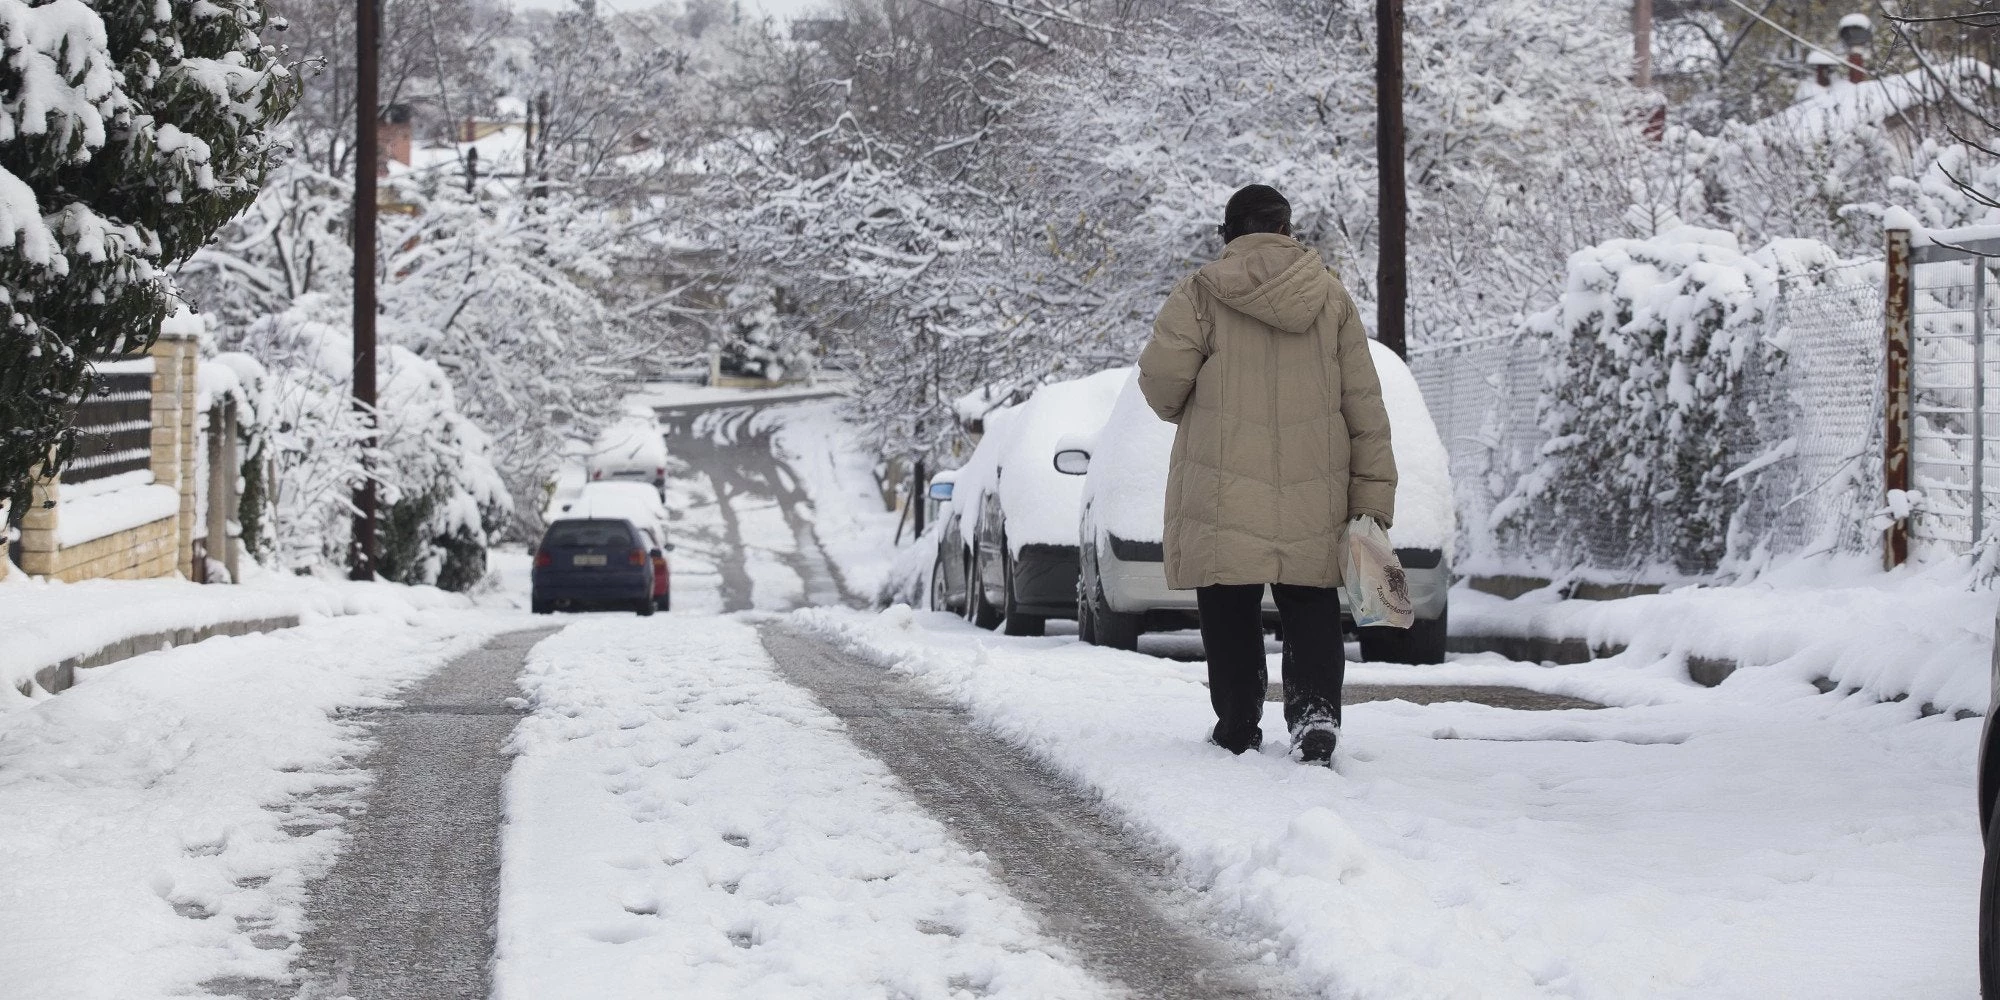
(1140, 587)
(594, 588)
(1045, 580)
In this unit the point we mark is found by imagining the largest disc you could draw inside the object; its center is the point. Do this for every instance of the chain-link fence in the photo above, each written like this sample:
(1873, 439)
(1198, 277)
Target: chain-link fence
(1826, 440)
(1808, 474)
(1482, 395)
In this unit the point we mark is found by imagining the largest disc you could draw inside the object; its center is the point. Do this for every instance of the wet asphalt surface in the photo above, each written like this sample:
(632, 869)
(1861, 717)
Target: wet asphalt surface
(407, 912)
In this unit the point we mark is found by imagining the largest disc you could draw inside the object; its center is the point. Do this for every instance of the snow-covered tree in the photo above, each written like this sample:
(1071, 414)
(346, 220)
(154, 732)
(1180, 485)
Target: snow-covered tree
(130, 131)
(443, 500)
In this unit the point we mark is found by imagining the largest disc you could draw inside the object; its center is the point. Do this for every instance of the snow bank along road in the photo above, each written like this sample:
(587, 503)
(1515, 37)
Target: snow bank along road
(832, 803)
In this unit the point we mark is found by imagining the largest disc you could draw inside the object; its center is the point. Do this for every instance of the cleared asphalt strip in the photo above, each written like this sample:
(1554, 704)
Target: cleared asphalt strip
(1103, 897)
(407, 912)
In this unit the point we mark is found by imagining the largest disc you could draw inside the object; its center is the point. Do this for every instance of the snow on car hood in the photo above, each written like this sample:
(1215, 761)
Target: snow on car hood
(1127, 485)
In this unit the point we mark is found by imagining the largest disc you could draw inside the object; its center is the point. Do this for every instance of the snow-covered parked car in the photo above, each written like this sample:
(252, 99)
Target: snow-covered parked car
(631, 450)
(947, 575)
(1015, 515)
(1123, 589)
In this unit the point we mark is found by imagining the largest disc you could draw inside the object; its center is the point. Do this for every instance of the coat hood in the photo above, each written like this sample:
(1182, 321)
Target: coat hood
(1273, 279)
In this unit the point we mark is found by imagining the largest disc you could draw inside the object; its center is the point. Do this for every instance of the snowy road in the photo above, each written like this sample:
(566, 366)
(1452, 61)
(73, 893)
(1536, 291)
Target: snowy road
(803, 799)
(745, 517)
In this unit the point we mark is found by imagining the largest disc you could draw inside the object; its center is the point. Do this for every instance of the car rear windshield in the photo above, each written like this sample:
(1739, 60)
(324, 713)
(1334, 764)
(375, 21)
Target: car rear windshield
(587, 534)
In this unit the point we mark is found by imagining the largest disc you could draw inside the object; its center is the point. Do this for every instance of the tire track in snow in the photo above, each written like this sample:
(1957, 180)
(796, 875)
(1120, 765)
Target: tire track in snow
(407, 912)
(732, 450)
(1102, 897)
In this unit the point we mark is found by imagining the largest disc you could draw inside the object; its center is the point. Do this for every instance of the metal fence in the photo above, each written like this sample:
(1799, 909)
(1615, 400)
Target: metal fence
(1827, 400)
(114, 425)
(1482, 395)
(1952, 401)
(1810, 474)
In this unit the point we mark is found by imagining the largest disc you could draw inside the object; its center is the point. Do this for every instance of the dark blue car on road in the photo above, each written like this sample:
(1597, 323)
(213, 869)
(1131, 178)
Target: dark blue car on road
(593, 563)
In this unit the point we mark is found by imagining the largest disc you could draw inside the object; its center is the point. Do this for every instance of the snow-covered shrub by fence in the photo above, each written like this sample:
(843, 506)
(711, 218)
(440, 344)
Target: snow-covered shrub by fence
(443, 500)
(1696, 409)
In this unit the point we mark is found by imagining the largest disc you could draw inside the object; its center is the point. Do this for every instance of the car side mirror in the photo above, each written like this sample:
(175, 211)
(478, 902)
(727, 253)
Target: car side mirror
(669, 546)
(941, 491)
(1072, 461)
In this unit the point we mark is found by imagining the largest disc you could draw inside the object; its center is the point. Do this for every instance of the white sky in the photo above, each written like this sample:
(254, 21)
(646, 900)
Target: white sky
(778, 8)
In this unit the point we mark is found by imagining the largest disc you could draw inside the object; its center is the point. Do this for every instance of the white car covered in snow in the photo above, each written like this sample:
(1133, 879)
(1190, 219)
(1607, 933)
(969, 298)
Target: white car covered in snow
(633, 450)
(1012, 515)
(1123, 587)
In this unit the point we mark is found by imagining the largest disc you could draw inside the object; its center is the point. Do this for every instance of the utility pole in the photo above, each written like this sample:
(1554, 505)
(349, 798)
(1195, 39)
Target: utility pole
(361, 552)
(1642, 44)
(1392, 276)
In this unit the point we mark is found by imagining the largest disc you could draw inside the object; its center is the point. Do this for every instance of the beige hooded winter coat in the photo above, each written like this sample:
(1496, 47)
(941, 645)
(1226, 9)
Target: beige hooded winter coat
(1261, 359)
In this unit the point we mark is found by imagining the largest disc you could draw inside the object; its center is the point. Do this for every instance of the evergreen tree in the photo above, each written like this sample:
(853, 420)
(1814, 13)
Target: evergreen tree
(129, 133)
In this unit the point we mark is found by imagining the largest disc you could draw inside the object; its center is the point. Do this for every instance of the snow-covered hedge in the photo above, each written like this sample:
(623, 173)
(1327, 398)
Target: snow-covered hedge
(1655, 378)
(442, 499)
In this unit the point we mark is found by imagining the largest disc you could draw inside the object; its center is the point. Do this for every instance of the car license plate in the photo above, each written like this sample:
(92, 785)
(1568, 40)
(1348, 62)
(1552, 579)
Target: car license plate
(586, 560)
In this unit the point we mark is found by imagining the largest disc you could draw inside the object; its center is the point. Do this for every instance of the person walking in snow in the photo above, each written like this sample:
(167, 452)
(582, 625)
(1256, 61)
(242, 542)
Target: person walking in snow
(1261, 360)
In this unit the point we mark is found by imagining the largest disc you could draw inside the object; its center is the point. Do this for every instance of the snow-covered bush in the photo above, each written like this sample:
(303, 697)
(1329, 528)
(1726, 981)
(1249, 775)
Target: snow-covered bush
(1653, 363)
(766, 340)
(130, 130)
(443, 501)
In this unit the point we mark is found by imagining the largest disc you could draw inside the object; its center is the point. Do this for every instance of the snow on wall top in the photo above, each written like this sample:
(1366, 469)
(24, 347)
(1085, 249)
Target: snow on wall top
(1127, 485)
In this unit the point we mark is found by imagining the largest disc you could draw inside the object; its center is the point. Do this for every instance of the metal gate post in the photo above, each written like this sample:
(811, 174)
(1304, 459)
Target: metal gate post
(1898, 315)
(1978, 401)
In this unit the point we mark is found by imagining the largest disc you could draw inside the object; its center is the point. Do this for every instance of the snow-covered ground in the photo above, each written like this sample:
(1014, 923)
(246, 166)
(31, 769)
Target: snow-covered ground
(1925, 634)
(1757, 840)
(44, 622)
(682, 822)
(835, 470)
(162, 819)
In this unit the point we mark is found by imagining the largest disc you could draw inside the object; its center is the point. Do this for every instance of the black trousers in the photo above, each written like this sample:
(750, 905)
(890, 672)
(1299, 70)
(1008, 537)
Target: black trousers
(1315, 662)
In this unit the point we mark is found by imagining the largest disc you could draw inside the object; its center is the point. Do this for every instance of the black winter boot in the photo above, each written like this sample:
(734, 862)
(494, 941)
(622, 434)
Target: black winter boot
(1316, 744)
(1237, 741)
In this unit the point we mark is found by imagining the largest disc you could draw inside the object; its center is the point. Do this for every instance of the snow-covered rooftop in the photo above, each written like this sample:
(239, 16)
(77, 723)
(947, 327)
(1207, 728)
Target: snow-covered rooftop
(1843, 107)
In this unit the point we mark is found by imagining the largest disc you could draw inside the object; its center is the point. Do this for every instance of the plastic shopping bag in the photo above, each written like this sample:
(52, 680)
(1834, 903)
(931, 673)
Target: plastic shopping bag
(1377, 591)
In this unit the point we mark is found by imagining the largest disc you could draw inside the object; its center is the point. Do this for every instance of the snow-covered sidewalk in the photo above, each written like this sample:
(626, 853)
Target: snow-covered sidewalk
(1921, 634)
(162, 819)
(682, 822)
(1757, 840)
(44, 622)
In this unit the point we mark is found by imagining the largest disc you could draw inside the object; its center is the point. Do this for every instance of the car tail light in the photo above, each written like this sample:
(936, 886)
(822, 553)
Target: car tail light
(597, 474)
(636, 557)
(660, 473)
(542, 558)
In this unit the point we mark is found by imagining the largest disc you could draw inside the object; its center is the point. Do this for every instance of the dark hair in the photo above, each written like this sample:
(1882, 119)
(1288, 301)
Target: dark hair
(1257, 208)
